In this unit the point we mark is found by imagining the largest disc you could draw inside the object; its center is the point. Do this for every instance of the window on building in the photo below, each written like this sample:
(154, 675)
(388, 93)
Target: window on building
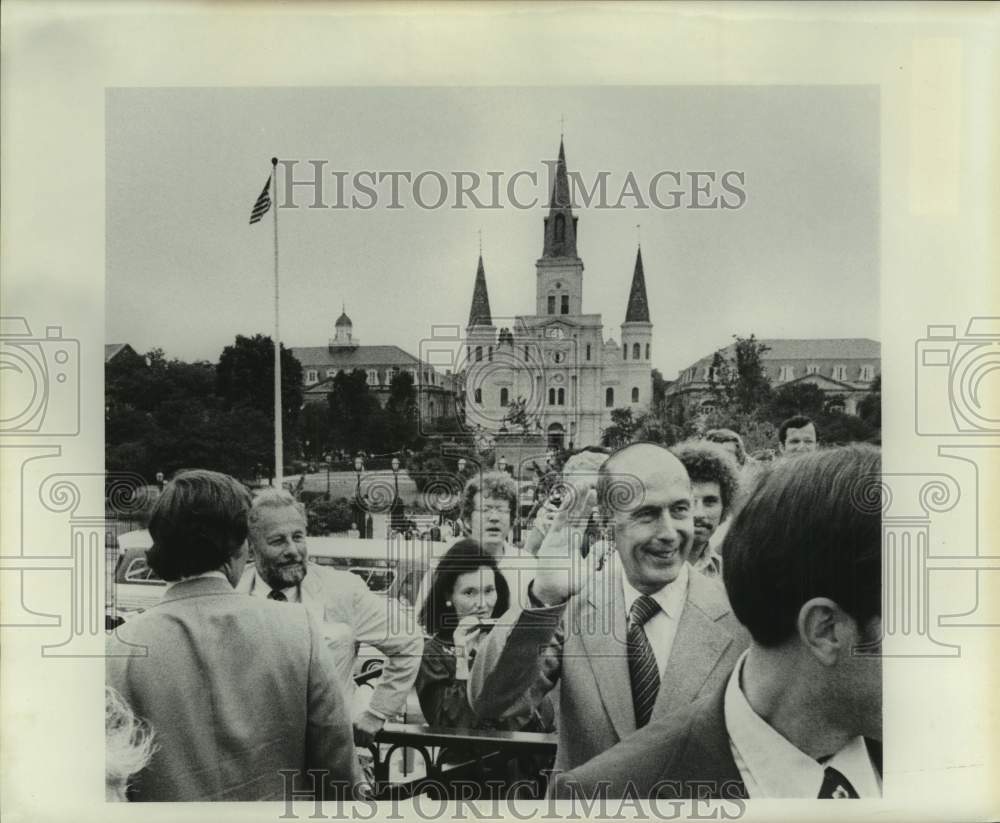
(647, 351)
(561, 397)
(479, 353)
(504, 395)
(572, 394)
(525, 354)
(840, 372)
(867, 374)
(625, 351)
(430, 409)
(478, 396)
(609, 398)
(311, 375)
(564, 304)
(489, 354)
(468, 352)
(785, 373)
(560, 228)
(552, 304)
(588, 351)
(812, 368)
(635, 394)
(558, 357)
(331, 372)
(635, 351)
(552, 397)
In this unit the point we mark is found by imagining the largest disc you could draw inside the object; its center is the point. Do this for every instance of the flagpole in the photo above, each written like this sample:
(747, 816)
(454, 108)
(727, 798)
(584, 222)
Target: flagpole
(278, 442)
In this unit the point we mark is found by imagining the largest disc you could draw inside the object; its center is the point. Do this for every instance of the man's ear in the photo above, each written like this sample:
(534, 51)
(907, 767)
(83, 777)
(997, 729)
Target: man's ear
(824, 629)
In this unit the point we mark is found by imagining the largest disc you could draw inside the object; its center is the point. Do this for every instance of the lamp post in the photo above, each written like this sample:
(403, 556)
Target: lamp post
(461, 465)
(395, 496)
(327, 457)
(359, 510)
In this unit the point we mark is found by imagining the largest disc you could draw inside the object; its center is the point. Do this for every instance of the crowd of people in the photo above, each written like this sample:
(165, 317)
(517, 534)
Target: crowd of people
(686, 621)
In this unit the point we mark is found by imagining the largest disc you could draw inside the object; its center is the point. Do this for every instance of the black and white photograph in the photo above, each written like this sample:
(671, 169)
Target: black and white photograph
(503, 426)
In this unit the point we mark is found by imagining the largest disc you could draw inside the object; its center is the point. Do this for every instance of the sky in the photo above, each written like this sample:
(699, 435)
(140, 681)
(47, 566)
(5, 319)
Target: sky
(187, 273)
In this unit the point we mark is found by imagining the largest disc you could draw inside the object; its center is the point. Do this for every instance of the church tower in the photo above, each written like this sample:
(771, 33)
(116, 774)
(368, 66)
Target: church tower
(637, 337)
(480, 343)
(559, 271)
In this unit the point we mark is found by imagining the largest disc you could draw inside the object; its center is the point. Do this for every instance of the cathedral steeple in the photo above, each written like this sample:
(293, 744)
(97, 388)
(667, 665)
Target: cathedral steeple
(479, 313)
(560, 225)
(638, 305)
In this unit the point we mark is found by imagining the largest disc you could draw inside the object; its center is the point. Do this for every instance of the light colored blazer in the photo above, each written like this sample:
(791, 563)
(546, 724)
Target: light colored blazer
(236, 689)
(580, 646)
(350, 613)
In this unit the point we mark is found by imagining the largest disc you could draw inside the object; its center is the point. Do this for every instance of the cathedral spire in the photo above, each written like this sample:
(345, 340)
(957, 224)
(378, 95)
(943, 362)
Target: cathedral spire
(479, 313)
(638, 305)
(560, 225)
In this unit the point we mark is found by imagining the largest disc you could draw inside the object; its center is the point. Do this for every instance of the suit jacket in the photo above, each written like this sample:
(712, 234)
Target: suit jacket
(580, 646)
(684, 756)
(236, 689)
(350, 613)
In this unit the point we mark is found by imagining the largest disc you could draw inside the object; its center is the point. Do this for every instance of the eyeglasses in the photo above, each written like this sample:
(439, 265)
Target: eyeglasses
(498, 508)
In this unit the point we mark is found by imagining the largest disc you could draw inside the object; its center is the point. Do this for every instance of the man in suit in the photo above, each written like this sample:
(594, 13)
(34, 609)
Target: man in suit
(800, 715)
(342, 604)
(636, 641)
(237, 690)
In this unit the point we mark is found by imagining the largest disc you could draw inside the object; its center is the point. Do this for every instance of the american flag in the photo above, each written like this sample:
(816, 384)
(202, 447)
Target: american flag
(263, 204)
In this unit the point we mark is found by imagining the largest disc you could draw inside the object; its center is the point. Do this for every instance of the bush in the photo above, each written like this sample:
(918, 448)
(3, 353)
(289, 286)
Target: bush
(329, 516)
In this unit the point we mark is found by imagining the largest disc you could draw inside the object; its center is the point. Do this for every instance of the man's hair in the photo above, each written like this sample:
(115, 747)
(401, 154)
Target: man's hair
(490, 484)
(271, 499)
(729, 436)
(197, 524)
(611, 489)
(810, 528)
(710, 463)
(462, 557)
(128, 740)
(798, 421)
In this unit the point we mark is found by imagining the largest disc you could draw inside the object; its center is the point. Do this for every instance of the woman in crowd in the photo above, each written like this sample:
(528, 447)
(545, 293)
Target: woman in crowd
(128, 745)
(468, 588)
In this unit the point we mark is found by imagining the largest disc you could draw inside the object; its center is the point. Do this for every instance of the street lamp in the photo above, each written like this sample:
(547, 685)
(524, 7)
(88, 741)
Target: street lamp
(461, 465)
(395, 497)
(327, 457)
(502, 463)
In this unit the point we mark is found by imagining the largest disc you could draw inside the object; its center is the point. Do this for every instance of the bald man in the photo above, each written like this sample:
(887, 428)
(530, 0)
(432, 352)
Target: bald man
(635, 641)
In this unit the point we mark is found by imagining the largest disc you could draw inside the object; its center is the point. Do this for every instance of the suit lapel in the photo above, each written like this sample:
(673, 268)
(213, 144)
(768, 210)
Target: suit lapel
(606, 649)
(698, 644)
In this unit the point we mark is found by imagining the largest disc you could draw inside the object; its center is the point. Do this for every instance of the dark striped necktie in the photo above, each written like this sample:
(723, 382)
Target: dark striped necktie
(836, 786)
(642, 667)
(277, 594)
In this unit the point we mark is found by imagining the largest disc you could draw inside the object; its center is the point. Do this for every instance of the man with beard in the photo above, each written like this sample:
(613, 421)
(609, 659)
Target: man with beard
(636, 641)
(347, 610)
(800, 716)
(714, 485)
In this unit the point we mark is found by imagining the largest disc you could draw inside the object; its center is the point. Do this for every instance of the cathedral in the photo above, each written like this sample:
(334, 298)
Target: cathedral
(556, 363)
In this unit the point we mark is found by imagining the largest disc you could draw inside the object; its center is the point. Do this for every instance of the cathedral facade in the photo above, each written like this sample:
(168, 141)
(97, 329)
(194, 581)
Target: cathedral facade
(554, 369)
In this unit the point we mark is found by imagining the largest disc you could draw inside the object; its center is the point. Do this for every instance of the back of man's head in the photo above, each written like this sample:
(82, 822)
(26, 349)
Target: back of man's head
(198, 523)
(811, 528)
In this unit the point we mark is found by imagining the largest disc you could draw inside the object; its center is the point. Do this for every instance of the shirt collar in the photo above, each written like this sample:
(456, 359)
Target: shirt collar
(670, 598)
(778, 767)
(213, 573)
(260, 588)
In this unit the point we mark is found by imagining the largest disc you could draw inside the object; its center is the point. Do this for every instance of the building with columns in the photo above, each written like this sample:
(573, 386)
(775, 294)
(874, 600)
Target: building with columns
(436, 391)
(557, 360)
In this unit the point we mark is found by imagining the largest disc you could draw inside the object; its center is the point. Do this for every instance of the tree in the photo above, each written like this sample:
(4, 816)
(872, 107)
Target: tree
(401, 413)
(315, 431)
(659, 388)
(620, 432)
(245, 379)
(352, 408)
(737, 378)
(870, 406)
(330, 516)
(797, 398)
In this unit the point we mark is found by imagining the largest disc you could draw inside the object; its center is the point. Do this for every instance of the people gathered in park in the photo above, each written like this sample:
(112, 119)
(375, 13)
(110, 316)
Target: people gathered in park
(682, 617)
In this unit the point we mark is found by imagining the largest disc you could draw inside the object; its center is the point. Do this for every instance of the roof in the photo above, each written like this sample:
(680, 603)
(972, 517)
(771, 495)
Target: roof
(112, 350)
(479, 312)
(638, 305)
(358, 356)
(838, 348)
(343, 320)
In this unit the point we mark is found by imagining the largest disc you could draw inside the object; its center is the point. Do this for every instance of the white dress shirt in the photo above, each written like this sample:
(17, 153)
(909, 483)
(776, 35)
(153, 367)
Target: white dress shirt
(661, 628)
(259, 588)
(773, 767)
